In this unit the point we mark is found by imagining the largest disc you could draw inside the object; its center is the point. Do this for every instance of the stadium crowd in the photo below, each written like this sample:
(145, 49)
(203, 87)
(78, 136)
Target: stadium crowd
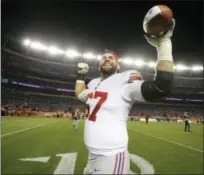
(10, 109)
(47, 89)
(140, 112)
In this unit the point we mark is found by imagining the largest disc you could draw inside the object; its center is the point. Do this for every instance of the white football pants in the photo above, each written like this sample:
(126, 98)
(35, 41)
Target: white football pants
(116, 164)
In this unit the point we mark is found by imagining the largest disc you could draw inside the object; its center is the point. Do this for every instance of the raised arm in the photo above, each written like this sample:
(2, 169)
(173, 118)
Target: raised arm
(162, 83)
(80, 89)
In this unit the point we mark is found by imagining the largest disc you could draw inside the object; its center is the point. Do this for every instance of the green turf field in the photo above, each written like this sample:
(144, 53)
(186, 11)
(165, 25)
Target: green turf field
(167, 148)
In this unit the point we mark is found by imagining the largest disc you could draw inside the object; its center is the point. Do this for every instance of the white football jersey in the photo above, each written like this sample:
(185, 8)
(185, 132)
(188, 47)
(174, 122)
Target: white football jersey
(109, 102)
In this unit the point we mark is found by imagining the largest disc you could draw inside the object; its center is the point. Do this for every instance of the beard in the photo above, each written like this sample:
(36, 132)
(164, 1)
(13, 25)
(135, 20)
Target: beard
(108, 71)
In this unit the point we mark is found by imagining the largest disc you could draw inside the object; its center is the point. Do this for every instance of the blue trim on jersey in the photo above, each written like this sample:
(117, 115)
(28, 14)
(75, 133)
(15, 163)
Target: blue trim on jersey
(120, 157)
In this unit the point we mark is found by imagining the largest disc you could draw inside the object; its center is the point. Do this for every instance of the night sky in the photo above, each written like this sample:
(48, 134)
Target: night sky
(103, 25)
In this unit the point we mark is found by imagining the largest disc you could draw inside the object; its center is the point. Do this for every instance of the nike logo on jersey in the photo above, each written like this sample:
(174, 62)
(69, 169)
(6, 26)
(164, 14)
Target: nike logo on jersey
(95, 170)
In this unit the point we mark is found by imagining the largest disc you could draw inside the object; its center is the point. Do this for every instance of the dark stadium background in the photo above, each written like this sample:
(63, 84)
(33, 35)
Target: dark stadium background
(38, 87)
(92, 26)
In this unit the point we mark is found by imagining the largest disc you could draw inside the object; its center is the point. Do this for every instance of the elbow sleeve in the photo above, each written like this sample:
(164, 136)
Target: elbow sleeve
(161, 86)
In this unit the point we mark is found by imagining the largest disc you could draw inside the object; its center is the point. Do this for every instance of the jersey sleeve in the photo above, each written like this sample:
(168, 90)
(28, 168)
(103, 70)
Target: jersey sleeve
(131, 91)
(90, 84)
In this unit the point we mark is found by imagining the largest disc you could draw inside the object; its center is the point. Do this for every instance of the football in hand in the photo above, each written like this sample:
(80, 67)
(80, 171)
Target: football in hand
(158, 20)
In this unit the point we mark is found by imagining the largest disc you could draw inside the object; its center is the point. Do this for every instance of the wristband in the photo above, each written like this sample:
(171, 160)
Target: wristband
(164, 50)
(80, 81)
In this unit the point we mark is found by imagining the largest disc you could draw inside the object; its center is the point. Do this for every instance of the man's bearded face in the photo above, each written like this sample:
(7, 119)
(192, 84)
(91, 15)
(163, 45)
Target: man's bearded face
(108, 64)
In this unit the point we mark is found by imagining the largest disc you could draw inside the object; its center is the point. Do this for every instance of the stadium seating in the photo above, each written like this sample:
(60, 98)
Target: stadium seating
(47, 83)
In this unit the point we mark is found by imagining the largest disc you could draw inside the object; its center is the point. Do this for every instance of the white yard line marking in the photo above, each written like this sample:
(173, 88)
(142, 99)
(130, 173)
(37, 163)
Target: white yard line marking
(21, 130)
(142, 164)
(170, 141)
(36, 159)
(58, 126)
(18, 121)
(66, 164)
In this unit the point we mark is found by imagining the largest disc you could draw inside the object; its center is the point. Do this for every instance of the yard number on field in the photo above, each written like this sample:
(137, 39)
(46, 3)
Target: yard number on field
(67, 162)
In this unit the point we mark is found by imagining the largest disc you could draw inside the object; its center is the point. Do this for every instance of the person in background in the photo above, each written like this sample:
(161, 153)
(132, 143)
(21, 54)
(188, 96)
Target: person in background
(147, 118)
(187, 123)
(75, 117)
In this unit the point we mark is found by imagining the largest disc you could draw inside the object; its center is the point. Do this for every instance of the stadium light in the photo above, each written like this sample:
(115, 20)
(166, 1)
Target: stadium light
(72, 53)
(98, 57)
(197, 68)
(181, 67)
(139, 63)
(151, 64)
(38, 46)
(26, 42)
(89, 55)
(54, 50)
(128, 61)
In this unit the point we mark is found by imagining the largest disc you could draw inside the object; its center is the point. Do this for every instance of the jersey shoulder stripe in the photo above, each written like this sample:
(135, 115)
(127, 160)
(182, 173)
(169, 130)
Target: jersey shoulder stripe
(132, 75)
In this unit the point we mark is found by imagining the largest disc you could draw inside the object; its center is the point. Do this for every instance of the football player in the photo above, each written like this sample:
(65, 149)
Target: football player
(75, 118)
(109, 99)
(187, 122)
